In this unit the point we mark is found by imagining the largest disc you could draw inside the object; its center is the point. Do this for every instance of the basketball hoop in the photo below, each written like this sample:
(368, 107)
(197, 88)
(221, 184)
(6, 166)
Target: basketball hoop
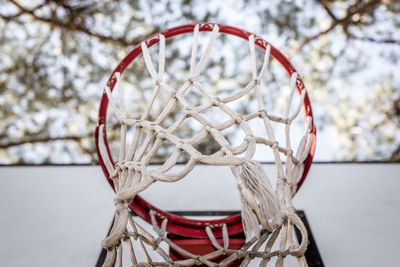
(267, 213)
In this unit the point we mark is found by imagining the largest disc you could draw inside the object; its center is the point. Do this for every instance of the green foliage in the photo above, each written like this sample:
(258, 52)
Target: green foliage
(56, 56)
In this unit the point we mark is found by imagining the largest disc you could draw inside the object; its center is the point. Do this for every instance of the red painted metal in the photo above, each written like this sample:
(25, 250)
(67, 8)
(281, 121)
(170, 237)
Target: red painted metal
(176, 224)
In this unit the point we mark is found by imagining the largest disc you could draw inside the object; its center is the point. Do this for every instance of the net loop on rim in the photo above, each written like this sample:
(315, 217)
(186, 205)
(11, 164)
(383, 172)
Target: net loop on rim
(267, 214)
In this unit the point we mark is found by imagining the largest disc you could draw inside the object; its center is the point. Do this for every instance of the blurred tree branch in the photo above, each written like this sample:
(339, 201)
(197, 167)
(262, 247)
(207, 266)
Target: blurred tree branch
(373, 40)
(39, 139)
(11, 17)
(327, 9)
(71, 26)
(359, 7)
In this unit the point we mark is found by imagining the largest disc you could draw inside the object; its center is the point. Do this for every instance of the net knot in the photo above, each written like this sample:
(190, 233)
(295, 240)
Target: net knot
(120, 204)
(287, 211)
(137, 166)
(241, 254)
(154, 245)
(161, 135)
(138, 123)
(187, 111)
(191, 80)
(174, 96)
(216, 101)
(239, 119)
(257, 81)
(198, 260)
(135, 235)
(289, 152)
(152, 127)
(180, 145)
(124, 236)
(262, 113)
(249, 138)
(120, 166)
(275, 144)
(225, 150)
(127, 121)
(207, 127)
(131, 167)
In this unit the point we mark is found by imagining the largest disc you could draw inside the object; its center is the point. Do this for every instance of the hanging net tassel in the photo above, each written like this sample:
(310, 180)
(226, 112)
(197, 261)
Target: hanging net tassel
(260, 203)
(110, 259)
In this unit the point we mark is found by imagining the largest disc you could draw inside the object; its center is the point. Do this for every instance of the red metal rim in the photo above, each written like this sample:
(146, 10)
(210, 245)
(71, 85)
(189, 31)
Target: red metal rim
(176, 224)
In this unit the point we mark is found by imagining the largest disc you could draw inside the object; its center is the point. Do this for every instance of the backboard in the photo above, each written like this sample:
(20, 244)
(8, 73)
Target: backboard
(58, 215)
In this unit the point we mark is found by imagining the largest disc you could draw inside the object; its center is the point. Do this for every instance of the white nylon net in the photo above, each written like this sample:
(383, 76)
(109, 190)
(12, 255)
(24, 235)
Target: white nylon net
(268, 214)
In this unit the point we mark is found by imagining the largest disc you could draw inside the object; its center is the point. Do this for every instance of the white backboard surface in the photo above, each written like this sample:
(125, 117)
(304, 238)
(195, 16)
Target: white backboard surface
(58, 215)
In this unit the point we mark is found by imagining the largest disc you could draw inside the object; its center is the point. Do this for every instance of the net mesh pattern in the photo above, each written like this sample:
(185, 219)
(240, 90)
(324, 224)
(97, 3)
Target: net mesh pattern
(131, 174)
